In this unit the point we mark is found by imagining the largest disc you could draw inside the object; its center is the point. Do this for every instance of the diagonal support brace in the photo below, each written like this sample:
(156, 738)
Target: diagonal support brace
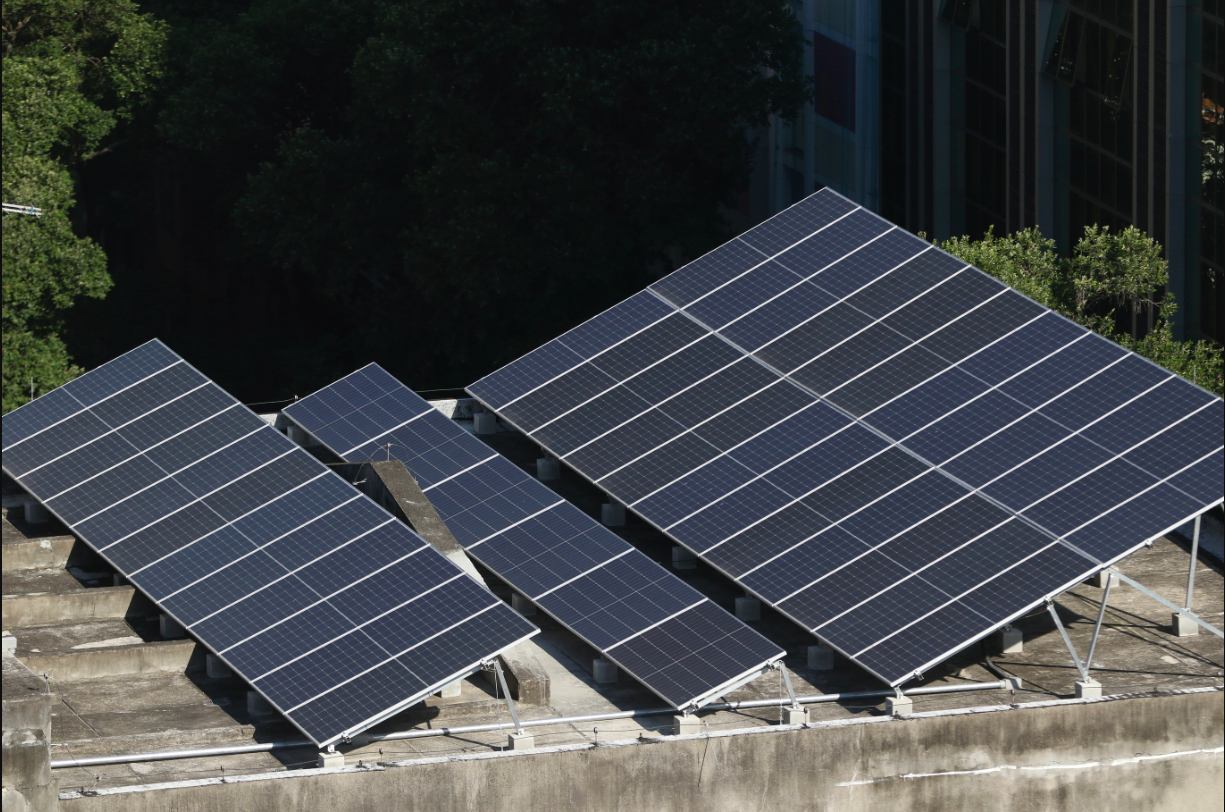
(1180, 610)
(795, 703)
(510, 703)
(1101, 613)
(1067, 641)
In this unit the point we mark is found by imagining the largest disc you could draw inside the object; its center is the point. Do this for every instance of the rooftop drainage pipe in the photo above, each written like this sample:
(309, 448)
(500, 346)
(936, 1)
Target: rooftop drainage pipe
(168, 755)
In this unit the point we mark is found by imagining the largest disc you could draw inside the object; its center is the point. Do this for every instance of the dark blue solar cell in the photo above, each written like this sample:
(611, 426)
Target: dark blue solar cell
(1088, 497)
(159, 391)
(811, 214)
(792, 436)
(1022, 349)
(1048, 471)
(1024, 439)
(881, 612)
(96, 494)
(663, 465)
(175, 531)
(408, 585)
(258, 611)
(904, 508)
(683, 369)
(906, 282)
(1063, 370)
(652, 345)
(40, 449)
(227, 463)
(38, 415)
(821, 602)
(168, 425)
(853, 356)
(263, 485)
(1183, 443)
(694, 491)
(306, 504)
(224, 587)
(1132, 523)
(718, 392)
(1148, 414)
(1028, 583)
(194, 562)
(292, 638)
(733, 511)
(530, 371)
(557, 397)
(372, 694)
(887, 380)
(1102, 393)
(737, 297)
(832, 243)
(316, 673)
(708, 272)
(117, 375)
(1204, 481)
(826, 460)
(925, 404)
(864, 483)
(873, 261)
(804, 564)
(616, 324)
(761, 325)
(617, 448)
(937, 308)
(134, 513)
(981, 326)
(892, 658)
(594, 418)
(778, 402)
(800, 346)
(204, 438)
(764, 540)
(965, 426)
(89, 460)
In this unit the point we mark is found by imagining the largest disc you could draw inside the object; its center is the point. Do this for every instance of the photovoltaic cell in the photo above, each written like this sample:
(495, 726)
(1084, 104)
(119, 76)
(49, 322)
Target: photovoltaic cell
(931, 386)
(269, 559)
(653, 625)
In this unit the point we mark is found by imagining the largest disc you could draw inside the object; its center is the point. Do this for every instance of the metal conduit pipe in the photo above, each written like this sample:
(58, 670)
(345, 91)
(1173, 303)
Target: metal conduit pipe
(169, 755)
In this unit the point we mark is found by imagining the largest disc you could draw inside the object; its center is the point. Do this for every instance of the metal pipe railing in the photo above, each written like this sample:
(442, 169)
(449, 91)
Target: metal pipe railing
(237, 749)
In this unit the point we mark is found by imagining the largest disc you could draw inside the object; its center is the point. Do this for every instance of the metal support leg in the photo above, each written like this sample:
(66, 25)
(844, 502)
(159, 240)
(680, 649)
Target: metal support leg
(1194, 559)
(510, 703)
(1067, 641)
(1169, 604)
(1097, 629)
(795, 703)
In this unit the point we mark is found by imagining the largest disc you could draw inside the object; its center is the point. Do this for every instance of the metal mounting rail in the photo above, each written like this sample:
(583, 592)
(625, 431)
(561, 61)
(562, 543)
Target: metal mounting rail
(170, 755)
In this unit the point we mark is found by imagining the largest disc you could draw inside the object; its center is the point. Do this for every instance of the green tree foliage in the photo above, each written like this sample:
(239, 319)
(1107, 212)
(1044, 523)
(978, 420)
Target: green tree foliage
(1108, 278)
(72, 70)
(462, 179)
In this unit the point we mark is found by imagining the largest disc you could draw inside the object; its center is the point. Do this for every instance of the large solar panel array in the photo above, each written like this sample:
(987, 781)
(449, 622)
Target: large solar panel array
(333, 610)
(889, 446)
(653, 625)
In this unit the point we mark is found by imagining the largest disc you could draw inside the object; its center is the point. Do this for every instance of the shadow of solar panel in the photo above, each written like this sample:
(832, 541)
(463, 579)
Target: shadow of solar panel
(652, 624)
(933, 384)
(336, 613)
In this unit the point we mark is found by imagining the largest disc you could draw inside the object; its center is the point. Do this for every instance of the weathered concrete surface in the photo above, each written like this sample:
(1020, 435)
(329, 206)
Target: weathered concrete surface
(390, 484)
(28, 784)
(94, 649)
(50, 552)
(1136, 752)
(37, 608)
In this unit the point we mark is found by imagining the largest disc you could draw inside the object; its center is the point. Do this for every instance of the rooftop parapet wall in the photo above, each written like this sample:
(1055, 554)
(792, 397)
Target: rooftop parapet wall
(1123, 752)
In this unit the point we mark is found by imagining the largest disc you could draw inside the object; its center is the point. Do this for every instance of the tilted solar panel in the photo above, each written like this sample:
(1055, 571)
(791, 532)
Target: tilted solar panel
(637, 614)
(333, 610)
(889, 446)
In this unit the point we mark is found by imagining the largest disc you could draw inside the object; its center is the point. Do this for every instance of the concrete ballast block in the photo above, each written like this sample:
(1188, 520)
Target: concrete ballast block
(331, 759)
(215, 668)
(485, 423)
(1011, 641)
(170, 628)
(36, 513)
(451, 689)
(682, 559)
(748, 609)
(520, 741)
(1183, 626)
(795, 716)
(820, 658)
(605, 671)
(10, 643)
(257, 705)
(899, 706)
(612, 515)
(547, 469)
(686, 725)
(522, 605)
(1088, 689)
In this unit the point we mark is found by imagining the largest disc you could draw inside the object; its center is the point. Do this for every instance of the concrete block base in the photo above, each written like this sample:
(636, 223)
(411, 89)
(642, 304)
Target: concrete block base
(899, 706)
(685, 725)
(522, 605)
(612, 515)
(1099, 580)
(605, 671)
(795, 716)
(520, 741)
(484, 423)
(547, 469)
(451, 689)
(1183, 626)
(820, 658)
(1088, 689)
(258, 706)
(748, 609)
(333, 759)
(170, 628)
(215, 668)
(682, 559)
(1010, 640)
(10, 643)
(35, 513)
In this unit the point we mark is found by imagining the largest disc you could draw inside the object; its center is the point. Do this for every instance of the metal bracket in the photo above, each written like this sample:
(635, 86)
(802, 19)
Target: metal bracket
(1101, 613)
(1067, 641)
(795, 703)
(1180, 610)
(1194, 559)
(510, 703)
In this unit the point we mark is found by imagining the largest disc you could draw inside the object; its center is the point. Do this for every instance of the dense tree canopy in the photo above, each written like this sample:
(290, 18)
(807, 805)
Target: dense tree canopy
(72, 70)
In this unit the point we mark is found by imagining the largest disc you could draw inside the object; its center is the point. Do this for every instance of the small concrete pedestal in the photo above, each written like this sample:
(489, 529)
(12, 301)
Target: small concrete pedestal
(612, 515)
(258, 706)
(485, 423)
(605, 671)
(685, 725)
(748, 609)
(215, 668)
(682, 559)
(332, 759)
(1183, 626)
(899, 706)
(522, 605)
(821, 658)
(795, 716)
(170, 628)
(36, 513)
(1010, 640)
(1088, 689)
(1098, 579)
(520, 741)
(547, 469)
(10, 643)
(451, 689)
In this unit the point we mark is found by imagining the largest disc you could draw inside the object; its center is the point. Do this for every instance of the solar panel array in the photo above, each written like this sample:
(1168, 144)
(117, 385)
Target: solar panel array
(333, 610)
(889, 446)
(653, 625)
